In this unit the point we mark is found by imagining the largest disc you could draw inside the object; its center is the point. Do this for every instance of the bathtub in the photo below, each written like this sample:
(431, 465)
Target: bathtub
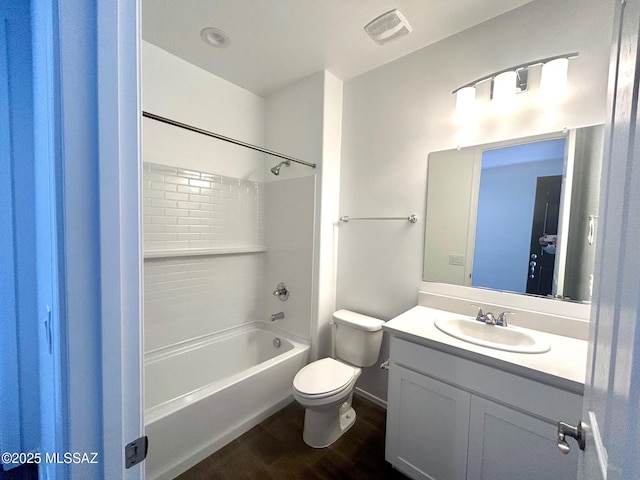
(202, 394)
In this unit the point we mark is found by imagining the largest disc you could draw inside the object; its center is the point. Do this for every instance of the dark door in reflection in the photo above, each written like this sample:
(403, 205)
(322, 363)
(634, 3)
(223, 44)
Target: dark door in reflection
(546, 212)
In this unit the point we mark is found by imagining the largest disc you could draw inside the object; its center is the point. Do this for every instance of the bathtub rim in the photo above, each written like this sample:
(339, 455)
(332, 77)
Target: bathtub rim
(161, 410)
(160, 352)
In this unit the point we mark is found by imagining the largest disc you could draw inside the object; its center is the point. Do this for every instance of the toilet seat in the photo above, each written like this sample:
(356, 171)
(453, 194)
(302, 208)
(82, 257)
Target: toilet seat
(323, 378)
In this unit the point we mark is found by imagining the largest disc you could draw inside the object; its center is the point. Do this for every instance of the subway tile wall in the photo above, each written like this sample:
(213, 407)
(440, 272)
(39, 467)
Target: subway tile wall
(190, 296)
(187, 297)
(187, 209)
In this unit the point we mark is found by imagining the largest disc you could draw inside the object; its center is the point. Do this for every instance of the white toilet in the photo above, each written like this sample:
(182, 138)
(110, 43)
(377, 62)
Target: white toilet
(325, 387)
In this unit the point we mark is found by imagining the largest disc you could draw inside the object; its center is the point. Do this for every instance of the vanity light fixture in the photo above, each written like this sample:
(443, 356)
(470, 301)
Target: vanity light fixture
(505, 84)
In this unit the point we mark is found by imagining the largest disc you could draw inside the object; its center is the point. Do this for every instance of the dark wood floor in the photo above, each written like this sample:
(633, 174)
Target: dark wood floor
(274, 450)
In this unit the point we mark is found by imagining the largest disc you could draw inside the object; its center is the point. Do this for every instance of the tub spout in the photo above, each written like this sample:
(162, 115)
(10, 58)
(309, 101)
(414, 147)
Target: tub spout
(277, 316)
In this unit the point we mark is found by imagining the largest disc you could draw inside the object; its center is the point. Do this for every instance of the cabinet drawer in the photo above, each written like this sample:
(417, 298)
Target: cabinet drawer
(546, 402)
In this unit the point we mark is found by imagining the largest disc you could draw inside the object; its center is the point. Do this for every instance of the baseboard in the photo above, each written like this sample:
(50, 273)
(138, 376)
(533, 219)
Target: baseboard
(372, 398)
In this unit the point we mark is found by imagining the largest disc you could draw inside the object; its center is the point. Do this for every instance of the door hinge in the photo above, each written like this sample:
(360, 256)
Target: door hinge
(136, 451)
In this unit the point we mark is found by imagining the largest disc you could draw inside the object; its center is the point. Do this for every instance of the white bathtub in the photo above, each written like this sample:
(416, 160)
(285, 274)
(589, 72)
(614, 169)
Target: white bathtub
(203, 394)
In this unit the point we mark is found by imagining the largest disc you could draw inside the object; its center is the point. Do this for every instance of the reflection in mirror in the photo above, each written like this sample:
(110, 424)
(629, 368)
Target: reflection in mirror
(517, 216)
(518, 204)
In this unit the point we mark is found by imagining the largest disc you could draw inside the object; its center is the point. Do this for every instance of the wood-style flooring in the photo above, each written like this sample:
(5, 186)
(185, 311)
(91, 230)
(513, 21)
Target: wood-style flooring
(274, 450)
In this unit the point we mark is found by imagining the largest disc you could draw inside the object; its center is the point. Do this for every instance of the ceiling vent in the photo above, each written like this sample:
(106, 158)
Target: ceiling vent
(387, 27)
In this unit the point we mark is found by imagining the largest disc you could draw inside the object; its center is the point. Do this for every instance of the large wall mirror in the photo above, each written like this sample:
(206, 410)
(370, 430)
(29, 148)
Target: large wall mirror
(518, 216)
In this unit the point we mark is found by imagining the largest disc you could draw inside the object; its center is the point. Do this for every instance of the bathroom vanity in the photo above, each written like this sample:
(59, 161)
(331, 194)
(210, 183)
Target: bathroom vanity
(457, 410)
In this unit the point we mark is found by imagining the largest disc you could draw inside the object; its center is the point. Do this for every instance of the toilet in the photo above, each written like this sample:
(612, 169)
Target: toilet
(325, 387)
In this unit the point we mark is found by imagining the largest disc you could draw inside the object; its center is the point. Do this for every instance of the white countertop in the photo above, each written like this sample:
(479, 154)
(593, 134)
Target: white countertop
(563, 366)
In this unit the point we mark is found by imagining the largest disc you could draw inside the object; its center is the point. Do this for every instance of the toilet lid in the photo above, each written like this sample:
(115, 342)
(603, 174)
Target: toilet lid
(322, 377)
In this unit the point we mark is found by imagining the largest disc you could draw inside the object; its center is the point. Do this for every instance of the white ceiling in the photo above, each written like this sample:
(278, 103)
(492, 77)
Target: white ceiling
(525, 153)
(273, 43)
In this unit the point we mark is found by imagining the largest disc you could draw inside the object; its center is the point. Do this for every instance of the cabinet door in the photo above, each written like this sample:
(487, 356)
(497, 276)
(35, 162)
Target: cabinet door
(505, 444)
(427, 426)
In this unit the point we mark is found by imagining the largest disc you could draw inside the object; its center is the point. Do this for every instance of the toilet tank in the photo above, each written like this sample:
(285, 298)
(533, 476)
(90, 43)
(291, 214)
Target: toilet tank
(357, 338)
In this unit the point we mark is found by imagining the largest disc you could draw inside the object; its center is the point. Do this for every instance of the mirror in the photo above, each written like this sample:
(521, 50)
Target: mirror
(517, 216)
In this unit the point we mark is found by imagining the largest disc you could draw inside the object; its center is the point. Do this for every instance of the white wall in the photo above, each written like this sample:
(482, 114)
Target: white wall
(293, 127)
(290, 222)
(304, 121)
(398, 113)
(327, 234)
(186, 297)
(178, 90)
(580, 254)
(451, 190)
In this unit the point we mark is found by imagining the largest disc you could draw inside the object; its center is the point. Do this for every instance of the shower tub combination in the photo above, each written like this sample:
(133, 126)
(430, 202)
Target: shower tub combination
(204, 393)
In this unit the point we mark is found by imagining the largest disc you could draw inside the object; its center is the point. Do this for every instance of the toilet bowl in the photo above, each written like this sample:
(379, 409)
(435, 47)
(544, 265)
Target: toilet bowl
(325, 387)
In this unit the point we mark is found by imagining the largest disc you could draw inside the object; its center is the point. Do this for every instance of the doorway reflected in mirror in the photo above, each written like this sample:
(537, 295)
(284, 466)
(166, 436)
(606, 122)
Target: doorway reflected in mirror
(518, 202)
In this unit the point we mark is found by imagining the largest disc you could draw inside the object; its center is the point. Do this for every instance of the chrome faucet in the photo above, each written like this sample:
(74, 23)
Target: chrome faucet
(502, 319)
(277, 316)
(480, 315)
(490, 319)
(282, 292)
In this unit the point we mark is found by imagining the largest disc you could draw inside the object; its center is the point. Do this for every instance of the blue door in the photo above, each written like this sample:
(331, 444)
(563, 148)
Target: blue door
(19, 369)
(31, 410)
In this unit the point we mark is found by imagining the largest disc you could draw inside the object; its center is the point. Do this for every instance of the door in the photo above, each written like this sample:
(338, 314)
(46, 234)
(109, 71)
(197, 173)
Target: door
(52, 402)
(505, 444)
(610, 409)
(546, 212)
(95, 61)
(428, 427)
(10, 439)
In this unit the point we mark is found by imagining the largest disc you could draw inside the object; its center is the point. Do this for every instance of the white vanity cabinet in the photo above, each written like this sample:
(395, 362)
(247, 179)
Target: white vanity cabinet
(451, 418)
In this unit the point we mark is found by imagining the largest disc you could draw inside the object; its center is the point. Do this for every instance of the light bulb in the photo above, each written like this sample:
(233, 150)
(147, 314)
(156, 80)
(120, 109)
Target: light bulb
(465, 103)
(553, 81)
(504, 90)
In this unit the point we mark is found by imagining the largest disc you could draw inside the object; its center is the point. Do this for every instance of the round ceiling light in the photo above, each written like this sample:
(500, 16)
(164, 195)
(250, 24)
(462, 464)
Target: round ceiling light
(214, 37)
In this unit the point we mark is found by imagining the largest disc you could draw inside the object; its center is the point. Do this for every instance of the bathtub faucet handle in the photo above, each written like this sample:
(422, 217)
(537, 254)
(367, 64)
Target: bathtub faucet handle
(277, 316)
(282, 291)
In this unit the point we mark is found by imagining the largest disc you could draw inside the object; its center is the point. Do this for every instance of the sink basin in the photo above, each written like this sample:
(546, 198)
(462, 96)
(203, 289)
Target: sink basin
(510, 339)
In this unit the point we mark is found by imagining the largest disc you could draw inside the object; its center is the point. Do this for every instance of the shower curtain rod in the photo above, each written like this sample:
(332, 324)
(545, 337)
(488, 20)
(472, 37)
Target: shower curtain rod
(168, 121)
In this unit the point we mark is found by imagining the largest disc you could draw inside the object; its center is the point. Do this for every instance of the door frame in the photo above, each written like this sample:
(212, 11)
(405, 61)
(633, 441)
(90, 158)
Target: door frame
(97, 46)
(120, 176)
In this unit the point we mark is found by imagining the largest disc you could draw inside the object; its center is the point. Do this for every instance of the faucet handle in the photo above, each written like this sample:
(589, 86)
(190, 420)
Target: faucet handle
(282, 291)
(502, 319)
(480, 315)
